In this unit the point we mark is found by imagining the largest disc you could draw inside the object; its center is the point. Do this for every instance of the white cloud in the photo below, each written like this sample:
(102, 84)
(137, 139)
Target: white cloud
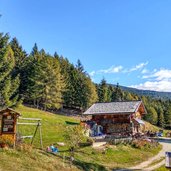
(92, 73)
(164, 86)
(120, 69)
(112, 69)
(138, 67)
(144, 71)
(159, 80)
(162, 74)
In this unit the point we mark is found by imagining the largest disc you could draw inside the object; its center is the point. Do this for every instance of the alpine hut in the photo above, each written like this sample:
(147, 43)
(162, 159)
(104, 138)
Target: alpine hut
(118, 119)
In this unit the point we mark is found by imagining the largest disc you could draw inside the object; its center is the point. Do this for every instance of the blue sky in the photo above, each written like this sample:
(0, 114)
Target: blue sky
(125, 41)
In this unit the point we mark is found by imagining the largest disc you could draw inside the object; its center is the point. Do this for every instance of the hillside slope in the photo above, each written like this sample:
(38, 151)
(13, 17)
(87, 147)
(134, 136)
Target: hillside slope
(53, 125)
(87, 158)
(154, 94)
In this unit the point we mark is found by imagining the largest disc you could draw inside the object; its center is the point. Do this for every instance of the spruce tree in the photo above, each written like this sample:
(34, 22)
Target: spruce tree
(8, 83)
(46, 84)
(35, 50)
(20, 65)
(161, 121)
(103, 91)
(118, 95)
(167, 115)
(19, 54)
(152, 115)
(79, 66)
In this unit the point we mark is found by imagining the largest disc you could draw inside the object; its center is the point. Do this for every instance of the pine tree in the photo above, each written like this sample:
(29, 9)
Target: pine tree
(34, 88)
(45, 81)
(35, 50)
(167, 115)
(80, 92)
(152, 115)
(103, 91)
(79, 66)
(19, 54)
(68, 72)
(8, 83)
(56, 55)
(161, 122)
(20, 64)
(118, 95)
(110, 91)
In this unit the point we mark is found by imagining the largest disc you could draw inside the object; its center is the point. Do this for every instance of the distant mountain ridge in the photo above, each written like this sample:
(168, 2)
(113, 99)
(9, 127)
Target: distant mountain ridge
(154, 94)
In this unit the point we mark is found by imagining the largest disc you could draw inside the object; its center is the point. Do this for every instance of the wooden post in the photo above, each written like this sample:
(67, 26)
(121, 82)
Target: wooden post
(40, 133)
(38, 125)
(34, 133)
(64, 159)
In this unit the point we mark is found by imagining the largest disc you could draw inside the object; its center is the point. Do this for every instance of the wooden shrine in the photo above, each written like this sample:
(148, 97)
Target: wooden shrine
(8, 123)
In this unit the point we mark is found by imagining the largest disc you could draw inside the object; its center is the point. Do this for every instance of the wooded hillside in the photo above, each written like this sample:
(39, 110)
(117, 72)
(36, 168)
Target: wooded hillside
(51, 82)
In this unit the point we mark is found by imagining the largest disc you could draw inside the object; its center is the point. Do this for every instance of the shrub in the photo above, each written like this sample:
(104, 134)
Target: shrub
(6, 141)
(143, 143)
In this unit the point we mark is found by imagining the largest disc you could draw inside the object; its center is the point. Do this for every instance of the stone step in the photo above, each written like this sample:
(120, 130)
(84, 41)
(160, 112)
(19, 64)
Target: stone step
(98, 144)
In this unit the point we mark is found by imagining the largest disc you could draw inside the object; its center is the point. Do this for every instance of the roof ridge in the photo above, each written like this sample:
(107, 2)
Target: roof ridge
(114, 107)
(120, 101)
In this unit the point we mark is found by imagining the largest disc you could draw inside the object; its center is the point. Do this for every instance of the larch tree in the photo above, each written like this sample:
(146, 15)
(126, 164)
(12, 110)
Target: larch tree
(46, 83)
(53, 84)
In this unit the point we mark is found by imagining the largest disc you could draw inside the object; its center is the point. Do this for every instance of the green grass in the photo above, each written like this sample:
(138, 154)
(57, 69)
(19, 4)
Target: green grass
(120, 156)
(53, 126)
(151, 127)
(87, 158)
(162, 168)
(156, 162)
(34, 160)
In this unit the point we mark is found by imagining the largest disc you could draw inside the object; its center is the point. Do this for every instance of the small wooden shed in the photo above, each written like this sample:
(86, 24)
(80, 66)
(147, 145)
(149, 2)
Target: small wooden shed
(116, 118)
(8, 123)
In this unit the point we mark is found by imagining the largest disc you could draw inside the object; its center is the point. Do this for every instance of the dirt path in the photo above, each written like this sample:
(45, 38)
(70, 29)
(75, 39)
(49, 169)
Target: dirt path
(145, 166)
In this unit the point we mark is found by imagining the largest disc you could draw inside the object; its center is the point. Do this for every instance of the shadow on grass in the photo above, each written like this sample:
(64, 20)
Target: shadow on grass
(89, 166)
(82, 165)
(71, 123)
(124, 169)
(85, 166)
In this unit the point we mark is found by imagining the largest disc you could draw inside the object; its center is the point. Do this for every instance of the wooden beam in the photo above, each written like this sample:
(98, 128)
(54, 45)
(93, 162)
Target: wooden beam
(31, 119)
(29, 136)
(20, 123)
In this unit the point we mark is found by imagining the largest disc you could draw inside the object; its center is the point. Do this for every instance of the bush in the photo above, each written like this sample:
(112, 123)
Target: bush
(6, 141)
(144, 143)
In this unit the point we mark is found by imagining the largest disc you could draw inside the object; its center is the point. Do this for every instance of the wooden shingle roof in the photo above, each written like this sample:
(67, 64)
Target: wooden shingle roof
(114, 108)
(11, 111)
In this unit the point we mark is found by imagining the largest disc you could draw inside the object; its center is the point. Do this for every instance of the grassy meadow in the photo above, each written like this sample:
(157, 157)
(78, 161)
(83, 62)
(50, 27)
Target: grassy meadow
(87, 158)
